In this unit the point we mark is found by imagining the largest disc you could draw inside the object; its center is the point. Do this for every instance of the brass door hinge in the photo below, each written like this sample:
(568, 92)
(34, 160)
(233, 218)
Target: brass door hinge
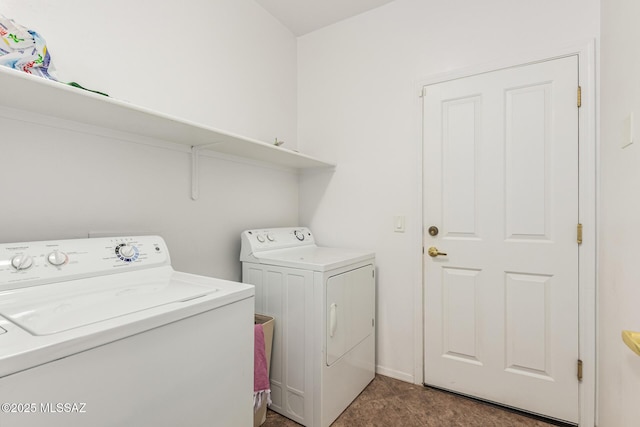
(579, 234)
(579, 370)
(579, 96)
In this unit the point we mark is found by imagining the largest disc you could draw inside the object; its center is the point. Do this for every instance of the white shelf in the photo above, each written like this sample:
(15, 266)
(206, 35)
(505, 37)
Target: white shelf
(26, 92)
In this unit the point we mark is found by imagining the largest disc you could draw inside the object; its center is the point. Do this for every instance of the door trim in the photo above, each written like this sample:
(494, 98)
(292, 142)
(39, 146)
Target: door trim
(587, 182)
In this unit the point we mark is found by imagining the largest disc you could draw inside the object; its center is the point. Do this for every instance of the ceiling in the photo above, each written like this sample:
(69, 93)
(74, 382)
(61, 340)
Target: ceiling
(304, 16)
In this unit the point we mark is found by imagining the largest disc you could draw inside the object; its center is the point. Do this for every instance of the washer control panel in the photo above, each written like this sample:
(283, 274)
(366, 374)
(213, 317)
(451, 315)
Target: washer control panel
(34, 263)
(269, 239)
(127, 252)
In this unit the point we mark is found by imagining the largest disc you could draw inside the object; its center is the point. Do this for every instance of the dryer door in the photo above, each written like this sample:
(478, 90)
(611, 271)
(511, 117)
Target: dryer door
(350, 311)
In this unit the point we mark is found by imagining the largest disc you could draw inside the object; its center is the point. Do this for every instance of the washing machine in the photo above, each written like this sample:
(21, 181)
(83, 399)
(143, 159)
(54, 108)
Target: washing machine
(323, 303)
(103, 332)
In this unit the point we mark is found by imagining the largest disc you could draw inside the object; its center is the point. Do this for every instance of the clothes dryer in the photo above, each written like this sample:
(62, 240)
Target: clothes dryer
(323, 302)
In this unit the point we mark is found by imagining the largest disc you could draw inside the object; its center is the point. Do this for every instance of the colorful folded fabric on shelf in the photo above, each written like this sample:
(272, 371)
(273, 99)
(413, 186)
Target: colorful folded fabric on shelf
(24, 49)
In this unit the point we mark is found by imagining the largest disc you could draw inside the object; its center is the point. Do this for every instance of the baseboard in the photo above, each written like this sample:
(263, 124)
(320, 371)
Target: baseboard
(402, 376)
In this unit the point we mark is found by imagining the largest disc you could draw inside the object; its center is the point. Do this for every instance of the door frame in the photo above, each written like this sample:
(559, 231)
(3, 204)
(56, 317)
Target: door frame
(587, 193)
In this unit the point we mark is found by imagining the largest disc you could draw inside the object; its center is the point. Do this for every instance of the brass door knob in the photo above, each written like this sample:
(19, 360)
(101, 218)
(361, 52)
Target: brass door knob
(434, 252)
(632, 340)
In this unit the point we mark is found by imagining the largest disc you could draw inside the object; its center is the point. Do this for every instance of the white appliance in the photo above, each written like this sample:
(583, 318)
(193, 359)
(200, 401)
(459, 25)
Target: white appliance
(103, 332)
(323, 302)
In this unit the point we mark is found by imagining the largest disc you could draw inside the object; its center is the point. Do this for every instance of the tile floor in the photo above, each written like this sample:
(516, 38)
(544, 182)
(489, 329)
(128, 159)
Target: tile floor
(388, 402)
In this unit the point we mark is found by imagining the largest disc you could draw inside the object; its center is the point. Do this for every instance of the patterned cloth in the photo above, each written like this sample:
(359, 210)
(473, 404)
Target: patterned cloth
(261, 385)
(24, 50)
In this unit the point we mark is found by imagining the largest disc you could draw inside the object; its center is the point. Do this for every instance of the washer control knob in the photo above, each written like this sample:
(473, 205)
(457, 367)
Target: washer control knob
(22, 262)
(260, 238)
(57, 258)
(127, 251)
(299, 235)
(270, 237)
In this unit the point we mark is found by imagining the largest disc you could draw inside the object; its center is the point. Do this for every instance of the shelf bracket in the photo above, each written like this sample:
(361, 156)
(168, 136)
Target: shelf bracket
(195, 169)
(195, 175)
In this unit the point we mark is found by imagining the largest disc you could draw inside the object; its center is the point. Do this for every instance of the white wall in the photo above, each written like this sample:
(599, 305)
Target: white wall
(358, 85)
(224, 63)
(619, 275)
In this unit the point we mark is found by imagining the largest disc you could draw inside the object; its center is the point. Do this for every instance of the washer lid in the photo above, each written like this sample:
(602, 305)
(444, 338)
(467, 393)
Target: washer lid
(315, 258)
(54, 308)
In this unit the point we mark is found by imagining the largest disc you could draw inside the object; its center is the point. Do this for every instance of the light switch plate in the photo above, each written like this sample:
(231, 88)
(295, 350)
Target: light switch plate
(398, 223)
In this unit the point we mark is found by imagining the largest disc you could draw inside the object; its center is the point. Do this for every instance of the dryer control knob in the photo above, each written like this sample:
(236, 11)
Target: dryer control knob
(260, 238)
(22, 262)
(57, 258)
(299, 235)
(127, 251)
(270, 237)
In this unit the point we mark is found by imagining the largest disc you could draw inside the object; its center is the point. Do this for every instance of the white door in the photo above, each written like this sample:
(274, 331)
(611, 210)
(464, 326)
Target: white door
(501, 186)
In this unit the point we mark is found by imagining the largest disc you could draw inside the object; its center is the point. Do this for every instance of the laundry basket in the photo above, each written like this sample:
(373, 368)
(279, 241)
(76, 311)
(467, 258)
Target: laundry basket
(260, 416)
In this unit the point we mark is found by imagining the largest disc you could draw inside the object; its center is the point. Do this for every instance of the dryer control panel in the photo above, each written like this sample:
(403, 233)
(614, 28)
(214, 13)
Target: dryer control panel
(36, 263)
(269, 239)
